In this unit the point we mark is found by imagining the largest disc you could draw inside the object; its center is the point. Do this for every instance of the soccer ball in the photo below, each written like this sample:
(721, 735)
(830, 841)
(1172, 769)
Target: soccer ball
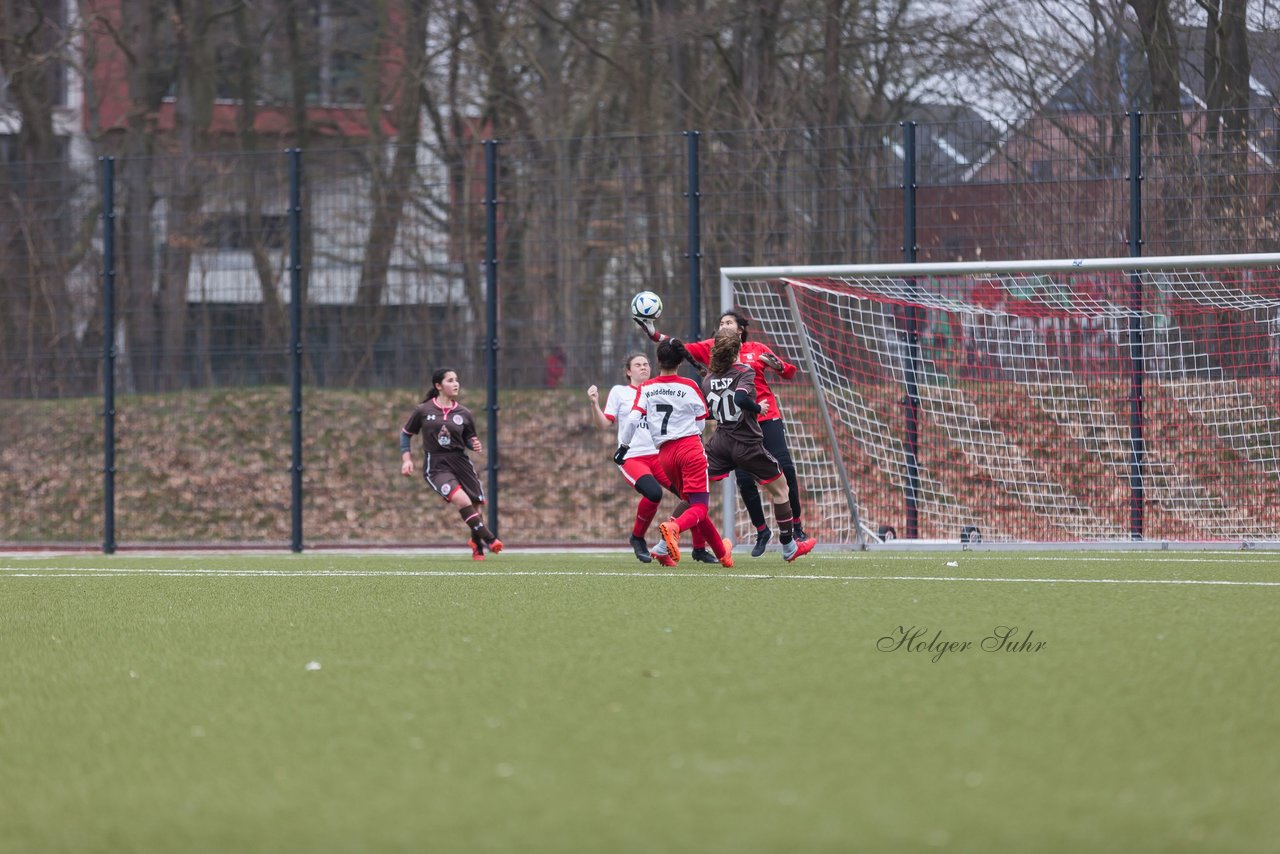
(646, 304)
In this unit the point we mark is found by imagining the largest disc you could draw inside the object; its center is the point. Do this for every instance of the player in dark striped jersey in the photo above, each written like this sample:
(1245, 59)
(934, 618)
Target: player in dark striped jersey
(448, 429)
(738, 443)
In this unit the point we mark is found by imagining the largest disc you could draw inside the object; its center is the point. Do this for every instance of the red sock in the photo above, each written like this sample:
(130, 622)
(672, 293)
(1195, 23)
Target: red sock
(645, 511)
(699, 541)
(711, 535)
(691, 517)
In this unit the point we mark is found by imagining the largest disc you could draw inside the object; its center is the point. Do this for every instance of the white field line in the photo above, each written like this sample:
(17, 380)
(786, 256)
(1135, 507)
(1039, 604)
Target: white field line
(117, 572)
(1234, 556)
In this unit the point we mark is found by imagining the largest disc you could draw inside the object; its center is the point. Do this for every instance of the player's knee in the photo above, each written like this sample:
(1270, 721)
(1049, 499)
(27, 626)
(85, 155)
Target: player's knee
(649, 487)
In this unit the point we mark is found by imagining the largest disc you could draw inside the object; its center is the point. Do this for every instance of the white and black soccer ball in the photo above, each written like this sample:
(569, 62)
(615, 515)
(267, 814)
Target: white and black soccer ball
(646, 305)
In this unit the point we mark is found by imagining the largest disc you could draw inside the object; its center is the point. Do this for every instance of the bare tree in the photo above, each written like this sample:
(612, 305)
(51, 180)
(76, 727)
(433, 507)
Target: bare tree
(38, 311)
(1172, 146)
(452, 139)
(139, 35)
(390, 182)
(1228, 200)
(678, 32)
(1160, 46)
(194, 43)
(587, 97)
(252, 25)
(1226, 65)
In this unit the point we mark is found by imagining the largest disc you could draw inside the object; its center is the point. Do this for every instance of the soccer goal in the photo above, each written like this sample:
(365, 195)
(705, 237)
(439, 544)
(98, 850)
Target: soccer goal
(1069, 401)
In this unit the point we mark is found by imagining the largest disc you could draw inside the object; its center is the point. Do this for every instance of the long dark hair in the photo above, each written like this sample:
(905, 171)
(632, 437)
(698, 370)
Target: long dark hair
(724, 351)
(671, 353)
(436, 379)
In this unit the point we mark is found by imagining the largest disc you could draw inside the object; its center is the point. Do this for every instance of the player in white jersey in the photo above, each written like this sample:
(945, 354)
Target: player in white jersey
(640, 466)
(672, 410)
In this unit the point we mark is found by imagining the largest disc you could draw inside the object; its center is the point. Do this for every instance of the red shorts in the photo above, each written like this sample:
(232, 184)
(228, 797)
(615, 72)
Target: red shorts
(634, 468)
(685, 462)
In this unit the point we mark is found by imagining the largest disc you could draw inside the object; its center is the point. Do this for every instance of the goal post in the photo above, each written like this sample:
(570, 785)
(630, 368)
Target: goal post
(1097, 400)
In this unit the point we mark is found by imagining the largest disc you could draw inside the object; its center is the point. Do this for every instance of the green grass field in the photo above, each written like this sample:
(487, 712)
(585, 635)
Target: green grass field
(588, 703)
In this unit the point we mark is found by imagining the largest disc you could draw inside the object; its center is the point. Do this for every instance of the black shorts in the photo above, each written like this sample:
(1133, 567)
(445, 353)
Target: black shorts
(725, 456)
(447, 473)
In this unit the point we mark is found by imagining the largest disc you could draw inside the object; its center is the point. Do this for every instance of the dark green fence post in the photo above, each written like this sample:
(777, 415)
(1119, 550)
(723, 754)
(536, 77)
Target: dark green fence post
(1137, 367)
(694, 255)
(108, 355)
(911, 401)
(295, 337)
(491, 319)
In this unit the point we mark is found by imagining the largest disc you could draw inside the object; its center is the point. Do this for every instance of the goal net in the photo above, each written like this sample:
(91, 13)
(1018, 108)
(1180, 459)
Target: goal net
(1046, 401)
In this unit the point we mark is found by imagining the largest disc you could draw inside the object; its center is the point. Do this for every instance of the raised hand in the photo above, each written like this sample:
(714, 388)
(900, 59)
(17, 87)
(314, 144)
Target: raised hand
(649, 329)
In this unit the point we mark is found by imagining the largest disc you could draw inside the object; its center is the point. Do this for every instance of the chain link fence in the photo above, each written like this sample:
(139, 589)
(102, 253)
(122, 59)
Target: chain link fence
(395, 259)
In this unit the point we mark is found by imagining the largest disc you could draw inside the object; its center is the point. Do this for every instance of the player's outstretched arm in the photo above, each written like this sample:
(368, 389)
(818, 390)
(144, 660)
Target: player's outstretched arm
(646, 325)
(597, 414)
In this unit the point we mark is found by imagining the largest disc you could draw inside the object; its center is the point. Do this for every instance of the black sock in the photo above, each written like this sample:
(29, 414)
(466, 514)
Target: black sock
(475, 522)
(751, 500)
(782, 514)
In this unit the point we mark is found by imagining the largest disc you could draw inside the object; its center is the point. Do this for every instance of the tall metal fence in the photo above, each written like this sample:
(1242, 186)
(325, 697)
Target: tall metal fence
(220, 427)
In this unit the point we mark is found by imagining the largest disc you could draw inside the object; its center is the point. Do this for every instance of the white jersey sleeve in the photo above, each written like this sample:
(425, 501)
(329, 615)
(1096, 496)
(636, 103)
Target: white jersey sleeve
(616, 409)
(673, 408)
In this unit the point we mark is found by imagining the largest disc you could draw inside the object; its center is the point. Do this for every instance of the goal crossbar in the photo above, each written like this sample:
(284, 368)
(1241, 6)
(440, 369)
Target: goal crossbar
(969, 268)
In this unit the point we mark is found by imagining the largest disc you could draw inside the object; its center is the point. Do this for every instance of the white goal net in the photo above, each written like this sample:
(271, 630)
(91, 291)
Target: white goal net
(1050, 401)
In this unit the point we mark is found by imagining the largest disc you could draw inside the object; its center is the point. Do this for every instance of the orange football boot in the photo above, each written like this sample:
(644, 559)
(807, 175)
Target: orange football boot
(727, 560)
(671, 536)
